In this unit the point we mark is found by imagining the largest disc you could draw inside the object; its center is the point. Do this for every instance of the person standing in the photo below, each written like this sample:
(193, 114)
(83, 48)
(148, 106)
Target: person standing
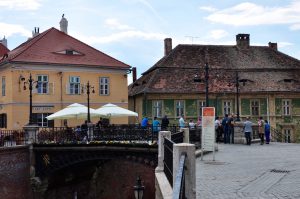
(145, 122)
(248, 130)
(181, 122)
(164, 123)
(261, 130)
(226, 129)
(192, 124)
(267, 131)
(218, 129)
(155, 126)
(230, 123)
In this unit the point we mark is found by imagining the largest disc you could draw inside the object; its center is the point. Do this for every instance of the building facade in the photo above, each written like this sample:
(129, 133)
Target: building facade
(241, 79)
(61, 67)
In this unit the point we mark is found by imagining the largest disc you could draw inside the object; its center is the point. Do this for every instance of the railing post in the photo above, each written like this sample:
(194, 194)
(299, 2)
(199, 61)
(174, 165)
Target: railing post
(190, 172)
(31, 133)
(186, 135)
(161, 136)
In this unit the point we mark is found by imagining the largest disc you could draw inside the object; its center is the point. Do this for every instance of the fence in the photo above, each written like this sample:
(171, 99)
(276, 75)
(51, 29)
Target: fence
(12, 137)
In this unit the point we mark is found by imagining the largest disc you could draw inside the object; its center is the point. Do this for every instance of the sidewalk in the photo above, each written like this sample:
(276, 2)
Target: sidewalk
(251, 172)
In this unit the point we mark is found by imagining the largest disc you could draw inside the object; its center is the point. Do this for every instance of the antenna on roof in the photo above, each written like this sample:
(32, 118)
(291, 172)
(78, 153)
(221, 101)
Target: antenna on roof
(192, 38)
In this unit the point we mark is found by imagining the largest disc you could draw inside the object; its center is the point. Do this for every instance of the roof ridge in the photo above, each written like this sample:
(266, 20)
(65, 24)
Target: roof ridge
(97, 50)
(36, 38)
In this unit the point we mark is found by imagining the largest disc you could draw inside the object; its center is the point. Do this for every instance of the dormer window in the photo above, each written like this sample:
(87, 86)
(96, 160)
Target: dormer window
(288, 80)
(69, 52)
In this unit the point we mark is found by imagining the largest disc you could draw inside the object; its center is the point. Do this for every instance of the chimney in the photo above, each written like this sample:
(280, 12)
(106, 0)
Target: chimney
(133, 74)
(243, 41)
(63, 24)
(4, 41)
(168, 46)
(35, 32)
(273, 46)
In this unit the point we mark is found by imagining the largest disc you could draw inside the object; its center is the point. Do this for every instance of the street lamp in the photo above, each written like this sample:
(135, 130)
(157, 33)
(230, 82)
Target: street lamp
(237, 84)
(197, 79)
(88, 87)
(138, 189)
(30, 83)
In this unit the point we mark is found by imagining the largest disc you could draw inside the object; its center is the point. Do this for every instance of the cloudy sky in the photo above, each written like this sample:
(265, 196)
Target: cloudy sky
(133, 31)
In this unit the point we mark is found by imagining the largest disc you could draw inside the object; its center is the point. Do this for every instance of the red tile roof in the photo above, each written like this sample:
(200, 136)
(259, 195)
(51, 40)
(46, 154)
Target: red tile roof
(47, 47)
(264, 68)
(3, 50)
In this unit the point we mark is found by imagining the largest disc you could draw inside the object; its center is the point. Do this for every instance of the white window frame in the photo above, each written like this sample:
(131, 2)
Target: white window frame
(201, 104)
(286, 106)
(74, 85)
(157, 108)
(227, 106)
(254, 105)
(179, 107)
(104, 86)
(43, 84)
(42, 121)
(3, 86)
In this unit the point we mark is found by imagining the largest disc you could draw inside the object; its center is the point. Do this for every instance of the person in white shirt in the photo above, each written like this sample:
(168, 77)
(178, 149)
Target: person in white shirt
(192, 124)
(181, 122)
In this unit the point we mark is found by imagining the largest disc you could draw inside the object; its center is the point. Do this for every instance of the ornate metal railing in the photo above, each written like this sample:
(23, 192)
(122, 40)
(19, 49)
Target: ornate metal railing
(179, 186)
(12, 137)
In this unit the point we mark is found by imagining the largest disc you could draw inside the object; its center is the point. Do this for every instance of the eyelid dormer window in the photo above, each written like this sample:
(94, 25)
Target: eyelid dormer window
(69, 52)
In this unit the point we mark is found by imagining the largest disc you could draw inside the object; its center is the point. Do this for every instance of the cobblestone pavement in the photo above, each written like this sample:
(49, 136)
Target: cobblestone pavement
(251, 172)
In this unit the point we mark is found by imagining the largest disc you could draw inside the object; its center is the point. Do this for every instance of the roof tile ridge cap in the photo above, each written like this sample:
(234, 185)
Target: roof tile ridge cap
(96, 49)
(150, 81)
(37, 39)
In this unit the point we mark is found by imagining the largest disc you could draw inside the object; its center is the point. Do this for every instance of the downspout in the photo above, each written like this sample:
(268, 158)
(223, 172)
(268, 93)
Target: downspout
(61, 95)
(268, 110)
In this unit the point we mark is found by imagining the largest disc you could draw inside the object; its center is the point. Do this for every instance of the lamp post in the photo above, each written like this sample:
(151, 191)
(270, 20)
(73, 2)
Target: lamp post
(138, 189)
(206, 77)
(88, 87)
(30, 83)
(237, 84)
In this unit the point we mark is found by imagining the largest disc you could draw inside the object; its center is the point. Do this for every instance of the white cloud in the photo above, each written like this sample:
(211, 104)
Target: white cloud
(245, 14)
(20, 4)
(295, 27)
(121, 36)
(283, 44)
(208, 8)
(218, 34)
(115, 24)
(10, 29)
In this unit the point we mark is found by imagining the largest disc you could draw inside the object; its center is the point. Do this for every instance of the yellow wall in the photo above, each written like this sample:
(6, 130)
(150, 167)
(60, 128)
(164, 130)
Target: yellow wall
(16, 101)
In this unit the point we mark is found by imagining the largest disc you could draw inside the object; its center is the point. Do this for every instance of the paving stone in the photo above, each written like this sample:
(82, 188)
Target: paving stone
(242, 171)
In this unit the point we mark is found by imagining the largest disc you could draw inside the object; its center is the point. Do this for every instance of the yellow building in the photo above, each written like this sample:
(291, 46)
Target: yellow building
(61, 66)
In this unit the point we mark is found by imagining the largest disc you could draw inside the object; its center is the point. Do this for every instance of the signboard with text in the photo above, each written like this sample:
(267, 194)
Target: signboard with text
(208, 128)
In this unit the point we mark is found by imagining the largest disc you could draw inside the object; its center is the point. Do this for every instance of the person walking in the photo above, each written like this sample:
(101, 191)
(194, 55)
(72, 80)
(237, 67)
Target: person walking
(248, 130)
(261, 130)
(164, 123)
(267, 131)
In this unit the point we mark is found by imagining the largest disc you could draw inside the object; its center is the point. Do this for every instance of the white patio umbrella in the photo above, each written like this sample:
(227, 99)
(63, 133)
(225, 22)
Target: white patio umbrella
(111, 110)
(77, 111)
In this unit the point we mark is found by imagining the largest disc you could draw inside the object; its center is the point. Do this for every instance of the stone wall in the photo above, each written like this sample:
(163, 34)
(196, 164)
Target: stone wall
(15, 173)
